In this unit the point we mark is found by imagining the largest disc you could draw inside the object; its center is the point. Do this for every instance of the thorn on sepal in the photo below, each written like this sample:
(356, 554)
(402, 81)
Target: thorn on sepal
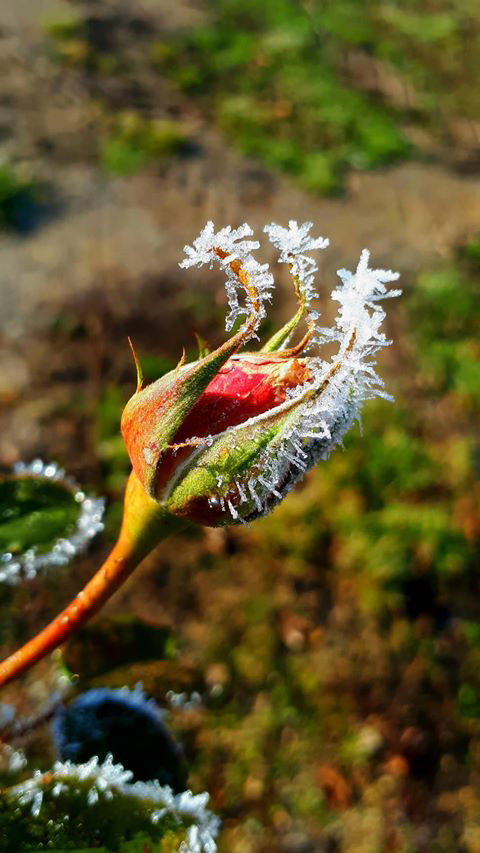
(183, 359)
(138, 366)
(203, 347)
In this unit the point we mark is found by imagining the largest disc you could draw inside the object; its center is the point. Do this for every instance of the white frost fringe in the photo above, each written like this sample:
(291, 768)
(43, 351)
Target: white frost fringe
(106, 780)
(14, 569)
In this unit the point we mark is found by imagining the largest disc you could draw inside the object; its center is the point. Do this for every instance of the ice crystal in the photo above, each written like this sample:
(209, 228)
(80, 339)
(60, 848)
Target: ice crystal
(89, 523)
(229, 240)
(358, 296)
(184, 701)
(293, 243)
(225, 247)
(11, 760)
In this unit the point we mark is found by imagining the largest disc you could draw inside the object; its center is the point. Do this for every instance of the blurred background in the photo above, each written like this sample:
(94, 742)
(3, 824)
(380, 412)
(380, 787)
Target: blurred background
(336, 643)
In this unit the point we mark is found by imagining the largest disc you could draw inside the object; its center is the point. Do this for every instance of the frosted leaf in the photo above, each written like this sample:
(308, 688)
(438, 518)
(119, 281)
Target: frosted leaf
(95, 780)
(89, 523)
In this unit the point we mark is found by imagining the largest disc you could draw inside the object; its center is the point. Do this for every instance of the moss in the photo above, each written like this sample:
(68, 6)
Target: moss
(135, 142)
(446, 329)
(277, 78)
(279, 95)
(469, 701)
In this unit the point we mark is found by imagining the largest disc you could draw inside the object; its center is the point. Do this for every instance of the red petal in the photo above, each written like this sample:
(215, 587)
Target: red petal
(246, 386)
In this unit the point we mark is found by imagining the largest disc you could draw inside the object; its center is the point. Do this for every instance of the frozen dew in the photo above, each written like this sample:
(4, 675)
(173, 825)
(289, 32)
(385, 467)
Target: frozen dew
(184, 701)
(11, 760)
(37, 466)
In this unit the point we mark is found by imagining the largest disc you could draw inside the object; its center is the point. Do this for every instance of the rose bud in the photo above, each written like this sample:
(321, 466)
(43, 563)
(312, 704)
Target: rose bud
(223, 439)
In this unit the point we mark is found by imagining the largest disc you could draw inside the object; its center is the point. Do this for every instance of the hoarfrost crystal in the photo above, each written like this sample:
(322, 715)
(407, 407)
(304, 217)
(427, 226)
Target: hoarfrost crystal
(11, 760)
(293, 243)
(106, 780)
(227, 247)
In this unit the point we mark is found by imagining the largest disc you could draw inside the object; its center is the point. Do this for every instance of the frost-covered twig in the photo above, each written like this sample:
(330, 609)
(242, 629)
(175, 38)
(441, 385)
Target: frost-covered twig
(293, 244)
(233, 253)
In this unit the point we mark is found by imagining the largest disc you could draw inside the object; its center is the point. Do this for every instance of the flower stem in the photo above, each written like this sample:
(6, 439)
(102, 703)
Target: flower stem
(144, 525)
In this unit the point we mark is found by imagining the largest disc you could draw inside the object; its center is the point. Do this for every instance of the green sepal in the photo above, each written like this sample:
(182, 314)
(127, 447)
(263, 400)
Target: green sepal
(281, 338)
(235, 457)
(153, 416)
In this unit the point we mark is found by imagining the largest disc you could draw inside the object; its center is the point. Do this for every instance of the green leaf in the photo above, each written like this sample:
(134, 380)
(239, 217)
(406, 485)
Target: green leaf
(34, 512)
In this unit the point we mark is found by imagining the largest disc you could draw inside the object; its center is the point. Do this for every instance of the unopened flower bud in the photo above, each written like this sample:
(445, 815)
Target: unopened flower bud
(222, 440)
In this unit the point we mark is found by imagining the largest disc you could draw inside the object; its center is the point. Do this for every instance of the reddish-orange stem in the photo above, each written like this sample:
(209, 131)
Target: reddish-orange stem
(143, 527)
